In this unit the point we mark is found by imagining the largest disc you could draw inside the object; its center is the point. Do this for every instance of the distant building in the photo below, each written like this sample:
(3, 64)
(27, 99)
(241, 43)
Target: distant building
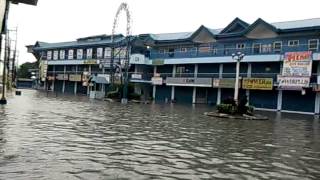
(279, 71)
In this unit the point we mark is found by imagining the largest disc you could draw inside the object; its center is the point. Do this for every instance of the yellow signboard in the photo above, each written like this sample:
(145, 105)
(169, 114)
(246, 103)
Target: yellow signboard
(257, 83)
(91, 61)
(75, 77)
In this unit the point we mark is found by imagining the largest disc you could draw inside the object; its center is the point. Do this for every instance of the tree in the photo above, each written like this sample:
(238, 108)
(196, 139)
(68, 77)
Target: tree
(23, 71)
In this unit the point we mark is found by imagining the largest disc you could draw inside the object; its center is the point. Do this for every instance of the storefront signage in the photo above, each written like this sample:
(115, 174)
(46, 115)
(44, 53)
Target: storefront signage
(158, 62)
(91, 61)
(293, 83)
(196, 82)
(224, 82)
(136, 76)
(75, 77)
(51, 78)
(137, 59)
(297, 64)
(157, 80)
(62, 77)
(257, 83)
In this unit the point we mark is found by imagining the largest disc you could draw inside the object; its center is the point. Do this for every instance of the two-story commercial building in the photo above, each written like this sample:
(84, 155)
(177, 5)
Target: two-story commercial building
(67, 66)
(279, 70)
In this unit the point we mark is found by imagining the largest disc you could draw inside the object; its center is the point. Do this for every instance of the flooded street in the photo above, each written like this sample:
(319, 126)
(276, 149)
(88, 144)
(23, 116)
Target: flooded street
(68, 137)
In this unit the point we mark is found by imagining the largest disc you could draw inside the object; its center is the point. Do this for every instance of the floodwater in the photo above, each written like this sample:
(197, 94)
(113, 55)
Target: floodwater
(69, 137)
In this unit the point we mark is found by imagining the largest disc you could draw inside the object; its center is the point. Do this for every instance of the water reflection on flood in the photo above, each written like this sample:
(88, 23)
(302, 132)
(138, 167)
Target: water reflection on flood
(68, 137)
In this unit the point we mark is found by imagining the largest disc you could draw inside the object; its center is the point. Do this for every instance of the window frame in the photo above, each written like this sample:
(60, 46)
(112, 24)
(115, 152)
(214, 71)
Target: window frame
(295, 40)
(274, 45)
(240, 48)
(317, 40)
(260, 46)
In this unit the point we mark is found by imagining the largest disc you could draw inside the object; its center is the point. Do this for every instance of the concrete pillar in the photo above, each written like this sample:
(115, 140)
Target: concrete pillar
(54, 74)
(76, 83)
(64, 82)
(154, 89)
(194, 94)
(249, 76)
(219, 89)
(279, 103)
(88, 87)
(317, 99)
(173, 87)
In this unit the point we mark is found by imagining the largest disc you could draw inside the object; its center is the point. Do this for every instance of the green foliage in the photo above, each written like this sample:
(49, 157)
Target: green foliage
(233, 109)
(227, 108)
(23, 71)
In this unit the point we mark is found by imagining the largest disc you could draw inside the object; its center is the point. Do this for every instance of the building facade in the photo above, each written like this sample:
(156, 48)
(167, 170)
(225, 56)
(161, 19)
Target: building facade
(279, 71)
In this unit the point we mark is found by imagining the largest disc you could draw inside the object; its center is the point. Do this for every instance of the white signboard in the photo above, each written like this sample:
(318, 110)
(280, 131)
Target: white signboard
(70, 54)
(55, 55)
(107, 52)
(99, 52)
(49, 55)
(293, 82)
(136, 76)
(137, 59)
(157, 80)
(62, 54)
(89, 53)
(297, 64)
(79, 53)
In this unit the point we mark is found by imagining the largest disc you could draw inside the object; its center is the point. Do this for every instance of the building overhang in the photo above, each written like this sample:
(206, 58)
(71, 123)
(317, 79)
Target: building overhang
(29, 2)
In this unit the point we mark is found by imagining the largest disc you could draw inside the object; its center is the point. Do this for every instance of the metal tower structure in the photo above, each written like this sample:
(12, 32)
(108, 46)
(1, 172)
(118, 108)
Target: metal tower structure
(122, 8)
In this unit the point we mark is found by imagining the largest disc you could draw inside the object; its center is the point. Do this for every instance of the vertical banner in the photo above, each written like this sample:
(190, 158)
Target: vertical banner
(55, 55)
(62, 54)
(89, 53)
(49, 55)
(70, 54)
(79, 53)
(99, 52)
(107, 52)
(297, 64)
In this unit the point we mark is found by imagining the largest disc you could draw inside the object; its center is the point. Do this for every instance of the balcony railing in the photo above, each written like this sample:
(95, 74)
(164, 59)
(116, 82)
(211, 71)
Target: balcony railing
(216, 52)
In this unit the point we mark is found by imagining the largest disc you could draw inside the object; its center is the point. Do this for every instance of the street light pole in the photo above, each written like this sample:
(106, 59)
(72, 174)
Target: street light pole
(238, 57)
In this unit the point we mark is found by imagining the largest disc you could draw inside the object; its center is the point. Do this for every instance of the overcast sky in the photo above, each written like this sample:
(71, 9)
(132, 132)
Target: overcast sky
(67, 20)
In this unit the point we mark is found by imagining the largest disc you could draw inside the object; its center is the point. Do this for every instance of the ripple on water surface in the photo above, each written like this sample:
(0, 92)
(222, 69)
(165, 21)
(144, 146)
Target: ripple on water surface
(69, 137)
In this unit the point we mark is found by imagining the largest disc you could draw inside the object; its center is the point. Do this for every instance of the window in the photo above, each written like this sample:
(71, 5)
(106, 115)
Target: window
(277, 47)
(55, 55)
(293, 43)
(161, 51)
(79, 53)
(241, 46)
(49, 55)
(313, 44)
(214, 50)
(184, 49)
(70, 54)
(171, 52)
(256, 48)
(62, 54)
(181, 69)
(226, 50)
(266, 48)
(89, 53)
(107, 52)
(99, 52)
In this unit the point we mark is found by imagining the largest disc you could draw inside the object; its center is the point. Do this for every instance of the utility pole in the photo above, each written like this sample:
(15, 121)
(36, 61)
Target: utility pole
(3, 99)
